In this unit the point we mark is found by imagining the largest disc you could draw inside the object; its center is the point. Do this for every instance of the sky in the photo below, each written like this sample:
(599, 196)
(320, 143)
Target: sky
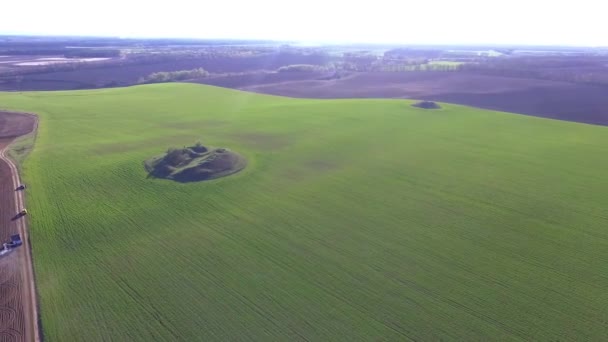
(542, 22)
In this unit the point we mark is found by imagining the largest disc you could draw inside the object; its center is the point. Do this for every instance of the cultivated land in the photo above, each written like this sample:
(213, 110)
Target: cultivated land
(354, 220)
(552, 99)
(15, 124)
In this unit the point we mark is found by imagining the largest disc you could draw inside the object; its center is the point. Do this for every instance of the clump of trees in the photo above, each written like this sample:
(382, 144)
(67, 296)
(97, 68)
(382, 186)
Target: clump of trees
(412, 53)
(414, 65)
(300, 68)
(176, 156)
(66, 52)
(92, 53)
(359, 60)
(172, 76)
(199, 148)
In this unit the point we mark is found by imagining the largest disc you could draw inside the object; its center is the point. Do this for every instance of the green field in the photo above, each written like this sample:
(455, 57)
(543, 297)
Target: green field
(353, 220)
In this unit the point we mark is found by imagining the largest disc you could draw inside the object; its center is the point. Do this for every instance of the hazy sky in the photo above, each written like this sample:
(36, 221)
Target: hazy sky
(548, 22)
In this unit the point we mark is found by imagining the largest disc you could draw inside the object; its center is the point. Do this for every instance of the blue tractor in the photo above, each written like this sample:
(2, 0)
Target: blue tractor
(15, 241)
(7, 247)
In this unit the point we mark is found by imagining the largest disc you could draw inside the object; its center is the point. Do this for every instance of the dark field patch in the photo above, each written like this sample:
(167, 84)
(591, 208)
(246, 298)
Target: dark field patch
(550, 99)
(16, 124)
(426, 105)
(570, 102)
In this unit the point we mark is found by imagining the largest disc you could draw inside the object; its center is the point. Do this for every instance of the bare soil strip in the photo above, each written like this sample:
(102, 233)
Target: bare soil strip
(18, 302)
(550, 99)
(14, 124)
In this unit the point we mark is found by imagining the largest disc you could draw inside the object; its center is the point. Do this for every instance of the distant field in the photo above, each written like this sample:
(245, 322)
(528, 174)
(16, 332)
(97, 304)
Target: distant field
(354, 220)
(552, 99)
(21, 61)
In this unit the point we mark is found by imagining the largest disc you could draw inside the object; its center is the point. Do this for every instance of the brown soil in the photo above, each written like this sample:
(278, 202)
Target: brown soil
(551, 99)
(12, 313)
(15, 124)
(18, 310)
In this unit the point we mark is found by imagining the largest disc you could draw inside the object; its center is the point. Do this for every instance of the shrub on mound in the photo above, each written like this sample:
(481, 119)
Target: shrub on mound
(195, 163)
(426, 105)
(199, 148)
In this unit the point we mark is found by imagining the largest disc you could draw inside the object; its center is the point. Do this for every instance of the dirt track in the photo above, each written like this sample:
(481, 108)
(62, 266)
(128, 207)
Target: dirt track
(18, 308)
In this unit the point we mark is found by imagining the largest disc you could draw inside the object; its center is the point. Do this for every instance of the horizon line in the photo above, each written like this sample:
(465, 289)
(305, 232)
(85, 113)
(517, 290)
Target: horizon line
(302, 41)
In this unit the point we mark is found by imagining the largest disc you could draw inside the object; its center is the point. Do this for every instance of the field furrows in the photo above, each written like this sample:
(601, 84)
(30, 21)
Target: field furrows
(12, 292)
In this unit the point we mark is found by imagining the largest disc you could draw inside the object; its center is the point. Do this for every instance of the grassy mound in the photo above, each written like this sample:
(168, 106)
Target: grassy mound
(195, 163)
(426, 105)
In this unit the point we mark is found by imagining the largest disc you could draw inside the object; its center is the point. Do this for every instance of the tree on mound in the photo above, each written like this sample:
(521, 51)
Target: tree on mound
(198, 147)
(426, 105)
(195, 163)
(176, 156)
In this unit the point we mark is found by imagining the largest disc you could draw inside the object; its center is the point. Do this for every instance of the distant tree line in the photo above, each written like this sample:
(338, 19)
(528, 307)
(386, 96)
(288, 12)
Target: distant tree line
(51, 67)
(418, 66)
(92, 53)
(66, 52)
(300, 68)
(232, 59)
(172, 76)
(411, 53)
(216, 59)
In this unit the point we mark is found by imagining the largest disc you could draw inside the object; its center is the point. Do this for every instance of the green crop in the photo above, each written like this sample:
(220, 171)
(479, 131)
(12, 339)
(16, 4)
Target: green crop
(353, 220)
